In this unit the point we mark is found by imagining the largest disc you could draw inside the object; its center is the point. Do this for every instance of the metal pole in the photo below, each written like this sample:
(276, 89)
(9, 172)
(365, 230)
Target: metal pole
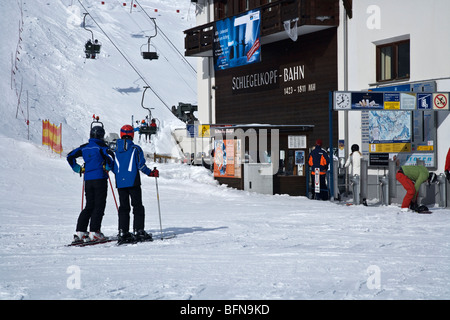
(442, 183)
(392, 181)
(364, 181)
(384, 185)
(159, 209)
(355, 181)
(330, 116)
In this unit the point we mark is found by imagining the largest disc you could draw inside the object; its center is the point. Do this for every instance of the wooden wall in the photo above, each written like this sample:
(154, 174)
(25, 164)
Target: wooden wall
(308, 65)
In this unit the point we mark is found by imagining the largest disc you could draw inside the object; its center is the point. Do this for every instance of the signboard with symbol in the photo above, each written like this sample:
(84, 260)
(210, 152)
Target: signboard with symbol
(389, 100)
(424, 101)
(440, 101)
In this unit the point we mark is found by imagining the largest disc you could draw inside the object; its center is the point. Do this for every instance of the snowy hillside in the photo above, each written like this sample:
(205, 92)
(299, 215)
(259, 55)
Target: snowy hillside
(66, 88)
(230, 244)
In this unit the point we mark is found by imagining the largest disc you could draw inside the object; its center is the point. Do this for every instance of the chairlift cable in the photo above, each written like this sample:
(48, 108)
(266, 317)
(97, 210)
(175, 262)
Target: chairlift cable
(123, 55)
(160, 52)
(167, 39)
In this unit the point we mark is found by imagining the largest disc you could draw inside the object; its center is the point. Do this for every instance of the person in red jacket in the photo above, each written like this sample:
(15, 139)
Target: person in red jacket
(447, 166)
(318, 161)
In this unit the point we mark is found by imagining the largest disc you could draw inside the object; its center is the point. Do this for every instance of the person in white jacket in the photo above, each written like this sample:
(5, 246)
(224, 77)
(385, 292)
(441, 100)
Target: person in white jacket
(354, 160)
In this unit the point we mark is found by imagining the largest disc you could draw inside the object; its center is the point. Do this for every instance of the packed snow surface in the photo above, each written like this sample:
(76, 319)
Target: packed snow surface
(230, 244)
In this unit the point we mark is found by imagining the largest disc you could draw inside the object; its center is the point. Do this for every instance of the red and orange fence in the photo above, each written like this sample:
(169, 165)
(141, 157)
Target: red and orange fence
(52, 136)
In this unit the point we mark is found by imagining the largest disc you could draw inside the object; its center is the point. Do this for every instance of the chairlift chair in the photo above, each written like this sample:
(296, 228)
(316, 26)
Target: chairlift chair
(91, 47)
(151, 130)
(150, 55)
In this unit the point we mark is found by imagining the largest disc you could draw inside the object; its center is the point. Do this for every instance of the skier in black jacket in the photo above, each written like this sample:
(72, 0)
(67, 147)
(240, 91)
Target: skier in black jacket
(318, 159)
(97, 159)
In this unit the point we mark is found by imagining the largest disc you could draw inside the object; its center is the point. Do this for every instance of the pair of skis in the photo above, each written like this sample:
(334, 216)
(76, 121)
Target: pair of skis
(82, 243)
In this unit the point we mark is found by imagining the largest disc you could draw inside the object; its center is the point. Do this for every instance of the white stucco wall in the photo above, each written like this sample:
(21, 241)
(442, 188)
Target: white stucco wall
(426, 24)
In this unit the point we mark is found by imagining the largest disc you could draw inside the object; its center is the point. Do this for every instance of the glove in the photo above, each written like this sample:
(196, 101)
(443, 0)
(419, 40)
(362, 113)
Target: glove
(447, 175)
(154, 173)
(77, 169)
(106, 167)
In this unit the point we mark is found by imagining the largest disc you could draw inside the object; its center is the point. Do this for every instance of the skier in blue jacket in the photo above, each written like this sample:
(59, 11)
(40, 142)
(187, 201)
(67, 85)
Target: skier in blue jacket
(129, 160)
(97, 159)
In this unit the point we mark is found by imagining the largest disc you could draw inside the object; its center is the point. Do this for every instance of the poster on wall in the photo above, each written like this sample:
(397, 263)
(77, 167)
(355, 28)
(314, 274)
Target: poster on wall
(236, 40)
(227, 161)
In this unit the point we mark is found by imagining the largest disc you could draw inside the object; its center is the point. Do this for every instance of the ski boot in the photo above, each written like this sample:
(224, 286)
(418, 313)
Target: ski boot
(423, 209)
(80, 237)
(142, 235)
(414, 207)
(125, 237)
(96, 236)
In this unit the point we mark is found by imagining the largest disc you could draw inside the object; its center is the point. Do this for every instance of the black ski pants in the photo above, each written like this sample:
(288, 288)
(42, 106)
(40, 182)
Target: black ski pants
(96, 192)
(135, 194)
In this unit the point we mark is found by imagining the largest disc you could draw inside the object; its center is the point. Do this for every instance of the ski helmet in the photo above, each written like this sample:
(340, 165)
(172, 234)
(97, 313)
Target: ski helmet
(127, 131)
(97, 132)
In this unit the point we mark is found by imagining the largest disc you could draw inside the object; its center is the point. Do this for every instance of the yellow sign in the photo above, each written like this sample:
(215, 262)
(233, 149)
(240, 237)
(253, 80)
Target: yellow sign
(392, 105)
(204, 131)
(390, 147)
(425, 148)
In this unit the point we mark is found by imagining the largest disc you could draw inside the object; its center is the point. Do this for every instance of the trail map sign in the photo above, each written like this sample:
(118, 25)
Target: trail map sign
(400, 123)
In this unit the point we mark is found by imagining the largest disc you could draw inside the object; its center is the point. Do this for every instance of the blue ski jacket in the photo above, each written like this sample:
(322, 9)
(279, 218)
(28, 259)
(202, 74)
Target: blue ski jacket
(95, 154)
(129, 159)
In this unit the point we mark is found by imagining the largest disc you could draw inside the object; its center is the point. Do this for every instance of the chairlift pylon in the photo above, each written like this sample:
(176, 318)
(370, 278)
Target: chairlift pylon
(150, 55)
(92, 46)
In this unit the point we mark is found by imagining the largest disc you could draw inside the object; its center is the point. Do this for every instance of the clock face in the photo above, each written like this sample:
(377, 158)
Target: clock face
(342, 100)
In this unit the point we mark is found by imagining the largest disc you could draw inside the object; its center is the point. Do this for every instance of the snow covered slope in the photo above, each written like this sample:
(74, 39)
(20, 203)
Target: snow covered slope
(66, 88)
(230, 244)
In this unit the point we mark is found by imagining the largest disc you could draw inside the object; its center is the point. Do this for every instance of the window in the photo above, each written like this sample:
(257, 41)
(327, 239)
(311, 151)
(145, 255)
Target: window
(221, 10)
(243, 5)
(393, 61)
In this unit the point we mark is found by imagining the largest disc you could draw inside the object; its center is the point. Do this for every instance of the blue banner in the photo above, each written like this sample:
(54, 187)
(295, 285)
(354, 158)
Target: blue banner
(236, 41)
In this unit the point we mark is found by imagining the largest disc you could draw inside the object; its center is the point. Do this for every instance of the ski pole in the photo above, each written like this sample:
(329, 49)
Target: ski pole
(112, 190)
(82, 188)
(82, 195)
(159, 209)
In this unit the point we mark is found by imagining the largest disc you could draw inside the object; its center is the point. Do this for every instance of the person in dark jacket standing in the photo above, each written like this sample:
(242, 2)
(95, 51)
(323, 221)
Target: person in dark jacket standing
(129, 160)
(318, 162)
(97, 159)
